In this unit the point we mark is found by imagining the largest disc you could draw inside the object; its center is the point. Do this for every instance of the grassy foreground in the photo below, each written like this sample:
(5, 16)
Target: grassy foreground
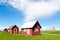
(43, 36)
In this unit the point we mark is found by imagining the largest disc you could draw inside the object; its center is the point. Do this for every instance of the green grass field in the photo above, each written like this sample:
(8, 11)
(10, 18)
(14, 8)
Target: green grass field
(45, 35)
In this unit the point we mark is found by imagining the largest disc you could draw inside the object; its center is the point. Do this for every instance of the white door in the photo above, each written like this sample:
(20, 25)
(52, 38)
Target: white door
(28, 31)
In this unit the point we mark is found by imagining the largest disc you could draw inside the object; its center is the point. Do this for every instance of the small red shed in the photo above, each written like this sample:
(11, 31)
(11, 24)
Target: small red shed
(13, 29)
(5, 30)
(31, 28)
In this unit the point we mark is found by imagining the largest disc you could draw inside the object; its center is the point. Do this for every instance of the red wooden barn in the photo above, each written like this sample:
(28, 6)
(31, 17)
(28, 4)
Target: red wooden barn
(5, 30)
(13, 29)
(31, 28)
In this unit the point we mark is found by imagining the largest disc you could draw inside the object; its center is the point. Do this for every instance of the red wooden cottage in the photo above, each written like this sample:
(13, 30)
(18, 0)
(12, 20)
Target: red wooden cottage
(31, 28)
(5, 30)
(13, 29)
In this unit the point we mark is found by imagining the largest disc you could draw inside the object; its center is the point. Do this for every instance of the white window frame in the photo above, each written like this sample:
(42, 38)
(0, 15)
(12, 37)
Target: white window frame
(36, 30)
(25, 30)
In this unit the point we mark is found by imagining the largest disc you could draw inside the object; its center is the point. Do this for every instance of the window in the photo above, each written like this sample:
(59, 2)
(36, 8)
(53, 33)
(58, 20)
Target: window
(36, 30)
(25, 30)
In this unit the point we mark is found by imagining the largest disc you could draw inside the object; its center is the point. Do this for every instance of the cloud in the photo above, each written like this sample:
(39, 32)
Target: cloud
(35, 9)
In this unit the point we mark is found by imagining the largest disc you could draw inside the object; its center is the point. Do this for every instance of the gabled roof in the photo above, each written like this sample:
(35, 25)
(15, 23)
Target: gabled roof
(5, 29)
(29, 24)
(11, 26)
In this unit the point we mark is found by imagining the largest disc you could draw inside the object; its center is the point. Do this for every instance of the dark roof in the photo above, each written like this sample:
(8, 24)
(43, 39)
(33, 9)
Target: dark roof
(5, 29)
(11, 26)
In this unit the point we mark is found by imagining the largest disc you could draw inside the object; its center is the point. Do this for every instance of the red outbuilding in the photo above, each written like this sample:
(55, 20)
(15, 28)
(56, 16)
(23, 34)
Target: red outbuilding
(31, 28)
(5, 30)
(13, 29)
